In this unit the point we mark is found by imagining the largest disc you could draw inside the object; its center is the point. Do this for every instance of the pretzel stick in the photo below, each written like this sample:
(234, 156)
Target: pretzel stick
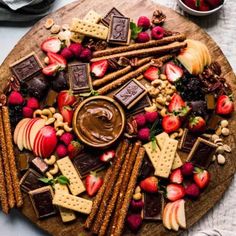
(116, 74)
(135, 46)
(11, 157)
(109, 189)
(128, 196)
(10, 193)
(145, 52)
(115, 194)
(125, 183)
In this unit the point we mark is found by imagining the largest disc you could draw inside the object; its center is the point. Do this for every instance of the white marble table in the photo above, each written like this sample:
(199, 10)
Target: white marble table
(222, 28)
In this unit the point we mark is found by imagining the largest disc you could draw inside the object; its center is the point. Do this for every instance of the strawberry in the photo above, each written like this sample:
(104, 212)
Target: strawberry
(214, 3)
(197, 124)
(57, 59)
(67, 113)
(201, 177)
(224, 105)
(51, 69)
(99, 68)
(176, 176)
(171, 123)
(51, 45)
(191, 3)
(107, 156)
(73, 149)
(175, 192)
(149, 184)
(65, 98)
(176, 103)
(151, 73)
(173, 72)
(93, 184)
(203, 6)
(15, 98)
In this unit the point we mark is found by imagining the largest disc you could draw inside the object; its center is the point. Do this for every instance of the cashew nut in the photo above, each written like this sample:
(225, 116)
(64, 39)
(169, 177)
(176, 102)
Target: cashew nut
(37, 112)
(181, 131)
(47, 112)
(159, 106)
(51, 160)
(66, 127)
(163, 112)
(44, 117)
(60, 132)
(49, 175)
(174, 135)
(163, 77)
(154, 92)
(156, 82)
(161, 100)
(50, 121)
(58, 117)
(58, 124)
(151, 108)
(52, 109)
(169, 91)
(54, 170)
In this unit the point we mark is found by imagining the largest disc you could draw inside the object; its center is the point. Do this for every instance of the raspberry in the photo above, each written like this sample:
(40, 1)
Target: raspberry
(66, 138)
(33, 103)
(61, 150)
(67, 53)
(140, 120)
(151, 116)
(187, 169)
(86, 54)
(76, 49)
(15, 98)
(192, 191)
(143, 22)
(144, 134)
(157, 32)
(143, 37)
(27, 112)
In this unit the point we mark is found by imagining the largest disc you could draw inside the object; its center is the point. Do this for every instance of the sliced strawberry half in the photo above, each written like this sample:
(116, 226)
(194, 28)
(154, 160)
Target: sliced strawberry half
(57, 59)
(176, 103)
(171, 123)
(151, 73)
(51, 45)
(93, 184)
(224, 105)
(175, 192)
(99, 68)
(51, 69)
(107, 156)
(67, 113)
(201, 177)
(176, 177)
(173, 72)
(65, 98)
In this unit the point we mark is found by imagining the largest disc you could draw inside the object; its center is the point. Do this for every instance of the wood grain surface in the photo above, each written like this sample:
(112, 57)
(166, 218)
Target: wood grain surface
(221, 175)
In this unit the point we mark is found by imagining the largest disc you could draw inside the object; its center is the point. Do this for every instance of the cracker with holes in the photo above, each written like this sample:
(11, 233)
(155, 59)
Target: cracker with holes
(67, 168)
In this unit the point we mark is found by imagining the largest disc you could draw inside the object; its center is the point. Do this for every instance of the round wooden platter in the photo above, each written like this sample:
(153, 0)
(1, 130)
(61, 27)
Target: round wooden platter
(221, 175)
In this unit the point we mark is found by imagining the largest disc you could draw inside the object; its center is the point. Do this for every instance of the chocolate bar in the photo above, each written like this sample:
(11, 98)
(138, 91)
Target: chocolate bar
(39, 164)
(107, 18)
(26, 67)
(41, 199)
(86, 162)
(153, 206)
(187, 141)
(130, 93)
(202, 153)
(119, 30)
(79, 78)
(30, 181)
(210, 101)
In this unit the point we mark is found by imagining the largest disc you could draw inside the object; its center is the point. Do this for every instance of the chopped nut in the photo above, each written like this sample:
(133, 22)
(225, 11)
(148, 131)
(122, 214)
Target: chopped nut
(151, 108)
(219, 131)
(219, 140)
(225, 131)
(224, 123)
(221, 159)
(227, 148)
(220, 150)
(55, 29)
(158, 17)
(174, 135)
(60, 132)
(214, 137)
(49, 23)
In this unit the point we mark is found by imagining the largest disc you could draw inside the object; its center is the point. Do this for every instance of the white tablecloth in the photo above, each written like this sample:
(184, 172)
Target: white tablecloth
(219, 221)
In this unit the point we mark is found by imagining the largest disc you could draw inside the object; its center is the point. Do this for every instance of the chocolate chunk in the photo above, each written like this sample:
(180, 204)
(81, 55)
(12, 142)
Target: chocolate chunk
(199, 108)
(119, 30)
(202, 153)
(153, 206)
(113, 12)
(23, 161)
(51, 98)
(30, 181)
(26, 67)
(187, 141)
(39, 164)
(213, 123)
(41, 199)
(130, 93)
(86, 162)
(79, 78)
(60, 81)
(147, 169)
(210, 100)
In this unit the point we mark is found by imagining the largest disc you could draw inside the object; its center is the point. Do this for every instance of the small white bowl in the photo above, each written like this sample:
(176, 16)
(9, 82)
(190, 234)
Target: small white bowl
(199, 13)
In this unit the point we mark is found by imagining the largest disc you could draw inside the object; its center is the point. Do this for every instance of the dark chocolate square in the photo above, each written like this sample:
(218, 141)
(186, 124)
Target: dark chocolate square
(79, 78)
(26, 67)
(187, 141)
(41, 199)
(202, 153)
(107, 18)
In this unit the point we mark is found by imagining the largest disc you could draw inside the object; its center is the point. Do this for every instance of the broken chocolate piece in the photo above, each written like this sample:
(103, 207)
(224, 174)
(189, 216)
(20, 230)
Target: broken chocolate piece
(41, 199)
(113, 12)
(119, 30)
(213, 123)
(79, 78)
(210, 101)
(153, 206)
(23, 162)
(202, 153)
(60, 81)
(51, 99)
(187, 141)
(199, 108)
(26, 67)
(39, 164)
(130, 93)
(30, 181)
(147, 169)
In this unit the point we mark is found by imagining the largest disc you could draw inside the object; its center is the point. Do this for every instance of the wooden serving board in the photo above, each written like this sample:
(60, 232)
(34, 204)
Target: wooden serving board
(221, 175)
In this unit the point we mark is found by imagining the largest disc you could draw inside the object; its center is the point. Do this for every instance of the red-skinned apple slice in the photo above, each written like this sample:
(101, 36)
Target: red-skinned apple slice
(180, 214)
(18, 127)
(166, 215)
(37, 143)
(20, 135)
(34, 130)
(28, 128)
(173, 219)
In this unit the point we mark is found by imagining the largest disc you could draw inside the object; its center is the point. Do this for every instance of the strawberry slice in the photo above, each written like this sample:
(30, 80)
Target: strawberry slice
(149, 184)
(67, 113)
(171, 123)
(51, 69)
(176, 177)
(151, 73)
(175, 192)
(176, 103)
(224, 105)
(51, 45)
(107, 156)
(93, 184)
(99, 68)
(197, 124)
(201, 177)
(173, 72)
(57, 59)
(65, 98)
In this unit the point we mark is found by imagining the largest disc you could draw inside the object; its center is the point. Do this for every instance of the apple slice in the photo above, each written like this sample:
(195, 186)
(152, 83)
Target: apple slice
(26, 133)
(16, 131)
(173, 213)
(180, 214)
(166, 215)
(20, 135)
(37, 141)
(39, 124)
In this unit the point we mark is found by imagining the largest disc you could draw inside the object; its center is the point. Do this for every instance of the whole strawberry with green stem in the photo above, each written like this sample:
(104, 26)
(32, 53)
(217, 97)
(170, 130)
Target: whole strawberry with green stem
(74, 149)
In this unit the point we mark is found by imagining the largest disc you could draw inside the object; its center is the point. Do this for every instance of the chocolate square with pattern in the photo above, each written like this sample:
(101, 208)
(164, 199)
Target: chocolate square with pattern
(106, 20)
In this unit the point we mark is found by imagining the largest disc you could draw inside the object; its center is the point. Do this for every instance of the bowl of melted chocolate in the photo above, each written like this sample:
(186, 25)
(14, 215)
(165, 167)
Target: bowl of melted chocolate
(99, 121)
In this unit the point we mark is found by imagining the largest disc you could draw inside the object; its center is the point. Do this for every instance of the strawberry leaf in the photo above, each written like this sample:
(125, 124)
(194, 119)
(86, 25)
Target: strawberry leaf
(134, 30)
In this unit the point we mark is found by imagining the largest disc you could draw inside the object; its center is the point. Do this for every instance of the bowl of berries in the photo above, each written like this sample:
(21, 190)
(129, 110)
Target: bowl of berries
(201, 7)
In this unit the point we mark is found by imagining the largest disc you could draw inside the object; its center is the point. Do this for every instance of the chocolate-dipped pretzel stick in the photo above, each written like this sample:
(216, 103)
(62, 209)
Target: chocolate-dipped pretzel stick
(11, 157)
(145, 51)
(116, 191)
(115, 172)
(135, 46)
(128, 195)
(116, 74)
(8, 178)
